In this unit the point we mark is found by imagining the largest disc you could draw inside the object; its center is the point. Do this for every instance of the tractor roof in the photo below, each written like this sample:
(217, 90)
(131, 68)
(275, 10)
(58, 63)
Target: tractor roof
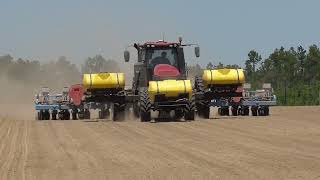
(160, 44)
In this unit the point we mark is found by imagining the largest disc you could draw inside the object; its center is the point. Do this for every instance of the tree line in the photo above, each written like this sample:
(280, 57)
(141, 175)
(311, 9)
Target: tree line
(294, 74)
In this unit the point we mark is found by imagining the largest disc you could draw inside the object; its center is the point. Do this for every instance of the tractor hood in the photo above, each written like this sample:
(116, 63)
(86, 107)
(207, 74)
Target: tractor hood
(165, 71)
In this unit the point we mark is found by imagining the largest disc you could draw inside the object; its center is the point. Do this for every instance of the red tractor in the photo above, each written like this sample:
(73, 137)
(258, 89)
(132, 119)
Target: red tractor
(160, 81)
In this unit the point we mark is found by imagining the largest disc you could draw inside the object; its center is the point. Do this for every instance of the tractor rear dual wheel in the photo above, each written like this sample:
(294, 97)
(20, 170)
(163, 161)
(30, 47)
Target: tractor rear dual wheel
(144, 105)
(190, 109)
(203, 105)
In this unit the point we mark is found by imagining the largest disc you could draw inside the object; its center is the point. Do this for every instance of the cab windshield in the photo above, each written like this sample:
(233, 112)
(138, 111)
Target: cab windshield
(157, 56)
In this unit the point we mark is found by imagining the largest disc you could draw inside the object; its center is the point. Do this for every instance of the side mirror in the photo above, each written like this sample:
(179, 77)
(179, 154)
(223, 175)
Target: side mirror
(197, 51)
(126, 55)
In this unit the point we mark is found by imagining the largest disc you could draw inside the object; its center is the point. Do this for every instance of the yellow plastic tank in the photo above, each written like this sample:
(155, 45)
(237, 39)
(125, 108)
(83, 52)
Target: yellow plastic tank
(170, 88)
(223, 77)
(104, 81)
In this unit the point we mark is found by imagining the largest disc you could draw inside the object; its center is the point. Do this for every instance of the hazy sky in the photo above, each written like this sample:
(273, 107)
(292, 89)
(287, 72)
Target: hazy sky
(226, 30)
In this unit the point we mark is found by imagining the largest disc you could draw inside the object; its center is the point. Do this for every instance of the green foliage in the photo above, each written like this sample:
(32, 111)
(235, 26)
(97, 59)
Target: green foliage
(293, 73)
(220, 65)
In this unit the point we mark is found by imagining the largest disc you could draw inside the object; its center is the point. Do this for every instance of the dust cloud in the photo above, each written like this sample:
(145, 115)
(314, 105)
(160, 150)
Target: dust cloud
(21, 80)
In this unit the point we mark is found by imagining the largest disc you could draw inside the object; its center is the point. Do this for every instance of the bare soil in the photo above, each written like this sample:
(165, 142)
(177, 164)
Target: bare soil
(285, 145)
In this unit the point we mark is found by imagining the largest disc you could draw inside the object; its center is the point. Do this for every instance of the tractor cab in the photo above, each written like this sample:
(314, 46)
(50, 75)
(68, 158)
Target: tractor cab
(159, 60)
(162, 60)
(162, 63)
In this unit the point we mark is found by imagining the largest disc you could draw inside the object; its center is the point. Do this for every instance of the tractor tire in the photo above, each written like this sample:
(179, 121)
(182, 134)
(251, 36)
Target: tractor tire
(54, 115)
(267, 111)
(224, 111)
(39, 116)
(119, 112)
(190, 110)
(46, 115)
(202, 106)
(261, 112)
(227, 112)
(254, 111)
(74, 114)
(145, 106)
(178, 114)
(86, 114)
(66, 115)
(81, 115)
(198, 84)
(203, 109)
(234, 110)
(245, 111)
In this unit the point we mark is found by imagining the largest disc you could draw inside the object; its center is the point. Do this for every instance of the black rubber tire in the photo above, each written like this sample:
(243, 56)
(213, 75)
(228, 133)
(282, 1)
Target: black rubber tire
(145, 105)
(267, 111)
(74, 114)
(66, 115)
(81, 115)
(246, 111)
(178, 114)
(234, 110)
(198, 84)
(224, 111)
(203, 109)
(54, 114)
(39, 116)
(119, 112)
(46, 115)
(86, 114)
(202, 106)
(254, 111)
(190, 110)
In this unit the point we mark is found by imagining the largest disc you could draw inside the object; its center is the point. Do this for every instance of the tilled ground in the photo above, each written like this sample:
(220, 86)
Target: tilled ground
(285, 145)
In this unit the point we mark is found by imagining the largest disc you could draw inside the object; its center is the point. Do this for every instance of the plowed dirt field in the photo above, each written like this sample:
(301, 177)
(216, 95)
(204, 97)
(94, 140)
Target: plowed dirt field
(285, 145)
